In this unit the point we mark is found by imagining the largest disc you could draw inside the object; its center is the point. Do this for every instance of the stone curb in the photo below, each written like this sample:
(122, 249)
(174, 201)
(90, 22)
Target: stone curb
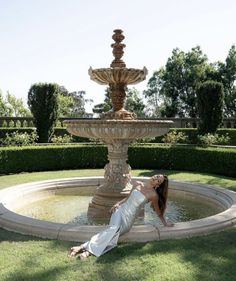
(13, 197)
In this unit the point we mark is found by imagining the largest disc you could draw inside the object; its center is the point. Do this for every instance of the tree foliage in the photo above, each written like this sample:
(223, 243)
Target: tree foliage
(12, 107)
(4, 109)
(134, 103)
(17, 106)
(72, 104)
(172, 89)
(152, 96)
(227, 71)
(43, 103)
(210, 106)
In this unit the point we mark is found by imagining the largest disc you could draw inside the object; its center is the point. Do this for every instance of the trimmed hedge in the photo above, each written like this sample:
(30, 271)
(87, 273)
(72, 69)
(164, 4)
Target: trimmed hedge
(43, 158)
(189, 158)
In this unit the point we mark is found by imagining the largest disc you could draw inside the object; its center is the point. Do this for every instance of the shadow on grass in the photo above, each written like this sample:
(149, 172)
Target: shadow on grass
(211, 257)
(210, 179)
(208, 258)
(45, 274)
(10, 236)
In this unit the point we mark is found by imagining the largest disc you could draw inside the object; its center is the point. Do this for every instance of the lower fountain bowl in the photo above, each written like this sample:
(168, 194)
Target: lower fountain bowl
(117, 129)
(13, 197)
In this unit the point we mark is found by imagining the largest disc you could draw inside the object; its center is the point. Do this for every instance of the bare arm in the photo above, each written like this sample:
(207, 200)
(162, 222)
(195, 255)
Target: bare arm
(117, 205)
(158, 212)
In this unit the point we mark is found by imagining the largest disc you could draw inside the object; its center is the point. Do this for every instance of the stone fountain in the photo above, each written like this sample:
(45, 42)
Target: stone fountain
(117, 129)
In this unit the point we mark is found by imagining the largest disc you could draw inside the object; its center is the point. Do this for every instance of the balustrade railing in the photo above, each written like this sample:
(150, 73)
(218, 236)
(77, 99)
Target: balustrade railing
(19, 122)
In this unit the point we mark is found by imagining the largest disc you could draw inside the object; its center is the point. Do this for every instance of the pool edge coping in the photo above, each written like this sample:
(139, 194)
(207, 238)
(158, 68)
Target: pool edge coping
(141, 233)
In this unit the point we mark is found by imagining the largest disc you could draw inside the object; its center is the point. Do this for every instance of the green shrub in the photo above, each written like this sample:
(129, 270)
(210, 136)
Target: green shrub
(210, 97)
(43, 104)
(7, 131)
(61, 139)
(209, 139)
(19, 139)
(57, 132)
(175, 137)
(190, 158)
(62, 131)
(192, 135)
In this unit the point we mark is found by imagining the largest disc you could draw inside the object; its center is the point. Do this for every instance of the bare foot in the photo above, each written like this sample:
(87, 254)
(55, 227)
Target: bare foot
(84, 255)
(74, 251)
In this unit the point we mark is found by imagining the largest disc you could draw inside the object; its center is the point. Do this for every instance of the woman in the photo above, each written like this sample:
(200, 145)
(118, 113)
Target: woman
(124, 213)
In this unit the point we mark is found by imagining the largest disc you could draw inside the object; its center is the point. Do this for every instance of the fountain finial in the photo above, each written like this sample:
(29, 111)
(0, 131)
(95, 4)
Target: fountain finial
(118, 47)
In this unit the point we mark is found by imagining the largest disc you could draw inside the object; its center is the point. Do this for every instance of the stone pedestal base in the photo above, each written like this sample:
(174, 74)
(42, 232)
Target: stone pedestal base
(117, 181)
(99, 208)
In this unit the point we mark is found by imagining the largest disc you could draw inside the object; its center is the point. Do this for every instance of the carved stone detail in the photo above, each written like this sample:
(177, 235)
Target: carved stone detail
(118, 47)
(118, 77)
(117, 181)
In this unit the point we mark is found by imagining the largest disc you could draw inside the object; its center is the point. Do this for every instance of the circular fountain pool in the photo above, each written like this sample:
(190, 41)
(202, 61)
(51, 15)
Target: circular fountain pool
(57, 209)
(182, 206)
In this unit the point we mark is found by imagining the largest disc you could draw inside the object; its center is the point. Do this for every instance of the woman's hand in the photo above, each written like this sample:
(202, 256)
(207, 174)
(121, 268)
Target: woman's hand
(137, 183)
(114, 207)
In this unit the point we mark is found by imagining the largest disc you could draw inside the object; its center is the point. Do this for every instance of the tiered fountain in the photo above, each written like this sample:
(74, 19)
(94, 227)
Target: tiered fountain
(117, 128)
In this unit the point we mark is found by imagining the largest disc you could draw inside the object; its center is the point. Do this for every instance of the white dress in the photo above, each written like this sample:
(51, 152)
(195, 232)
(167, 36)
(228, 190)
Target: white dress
(121, 222)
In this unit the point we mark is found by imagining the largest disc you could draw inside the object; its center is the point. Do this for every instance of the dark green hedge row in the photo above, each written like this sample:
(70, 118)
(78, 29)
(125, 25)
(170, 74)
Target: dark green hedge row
(44, 158)
(27, 159)
(189, 158)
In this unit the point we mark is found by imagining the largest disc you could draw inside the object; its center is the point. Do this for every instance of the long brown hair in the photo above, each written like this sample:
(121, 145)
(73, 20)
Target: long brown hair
(162, 192)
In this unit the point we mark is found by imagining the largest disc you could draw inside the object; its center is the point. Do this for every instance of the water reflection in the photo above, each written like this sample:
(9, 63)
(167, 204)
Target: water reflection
(73, 209)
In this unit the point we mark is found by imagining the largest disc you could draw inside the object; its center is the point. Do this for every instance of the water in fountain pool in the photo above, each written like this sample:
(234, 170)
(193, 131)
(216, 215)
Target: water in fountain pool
(181, 206)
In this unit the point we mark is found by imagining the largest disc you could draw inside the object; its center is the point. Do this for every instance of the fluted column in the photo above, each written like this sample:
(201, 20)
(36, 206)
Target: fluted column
(117, 183)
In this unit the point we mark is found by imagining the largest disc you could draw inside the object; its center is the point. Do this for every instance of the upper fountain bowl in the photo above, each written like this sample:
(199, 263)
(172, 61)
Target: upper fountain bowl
(127, 76)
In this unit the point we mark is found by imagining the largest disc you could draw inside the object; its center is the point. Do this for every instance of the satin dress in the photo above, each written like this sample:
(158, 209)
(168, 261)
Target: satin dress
(121, 222)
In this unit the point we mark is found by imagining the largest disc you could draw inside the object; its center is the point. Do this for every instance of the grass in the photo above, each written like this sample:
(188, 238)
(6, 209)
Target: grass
(222, 181)
(211, 258)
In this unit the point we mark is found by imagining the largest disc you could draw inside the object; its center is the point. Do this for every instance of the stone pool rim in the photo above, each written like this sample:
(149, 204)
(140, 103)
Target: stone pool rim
(12, 221)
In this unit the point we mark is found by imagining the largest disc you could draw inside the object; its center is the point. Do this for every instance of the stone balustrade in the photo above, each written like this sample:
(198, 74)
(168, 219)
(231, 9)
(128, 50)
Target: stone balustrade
(177, 122)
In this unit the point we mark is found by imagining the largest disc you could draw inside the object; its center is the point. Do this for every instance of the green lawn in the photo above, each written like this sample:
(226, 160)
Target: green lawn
(211, 258)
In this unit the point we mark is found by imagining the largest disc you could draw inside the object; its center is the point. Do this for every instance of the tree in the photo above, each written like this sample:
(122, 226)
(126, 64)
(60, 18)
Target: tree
(17, 106)
(72, 104)
(210, 96)
(133, 103)
(183, 72)
(65, 103)
(43, 104)
(4, 108)
(227, 71)
(79, 101)
(105, 106)
(152, 95)
(174, 86)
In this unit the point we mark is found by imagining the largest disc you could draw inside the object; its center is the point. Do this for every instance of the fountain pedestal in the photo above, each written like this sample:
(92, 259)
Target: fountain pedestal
(117, 183)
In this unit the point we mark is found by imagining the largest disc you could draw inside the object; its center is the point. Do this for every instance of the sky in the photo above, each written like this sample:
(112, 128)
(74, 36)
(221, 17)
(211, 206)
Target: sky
(58, 40)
